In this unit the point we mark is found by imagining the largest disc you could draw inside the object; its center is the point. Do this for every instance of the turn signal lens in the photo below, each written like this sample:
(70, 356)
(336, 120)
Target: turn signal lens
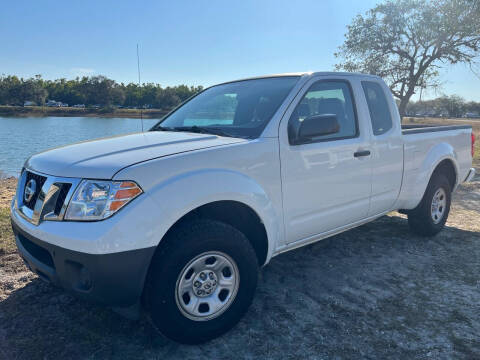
(98, 199)
(115, 205)
(127, 193)
(128, 184)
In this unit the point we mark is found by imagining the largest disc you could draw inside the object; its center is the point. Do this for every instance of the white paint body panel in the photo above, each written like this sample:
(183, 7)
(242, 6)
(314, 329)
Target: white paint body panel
(102, 158)
(387, 161)
(301, 193)
(324, 186)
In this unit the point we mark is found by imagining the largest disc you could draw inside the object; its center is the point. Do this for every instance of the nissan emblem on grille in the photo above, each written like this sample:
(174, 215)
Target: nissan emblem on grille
(30, 190)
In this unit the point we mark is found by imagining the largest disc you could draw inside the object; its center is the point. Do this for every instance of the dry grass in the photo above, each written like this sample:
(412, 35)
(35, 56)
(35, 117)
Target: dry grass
(7, 244)
(7, 190)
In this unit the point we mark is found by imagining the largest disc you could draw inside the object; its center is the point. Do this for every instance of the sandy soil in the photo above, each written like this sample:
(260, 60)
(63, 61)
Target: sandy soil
(377, 291)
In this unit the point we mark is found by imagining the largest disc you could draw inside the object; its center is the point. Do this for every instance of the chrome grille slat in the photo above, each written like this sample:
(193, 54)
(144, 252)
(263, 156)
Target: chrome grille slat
(51, 201)
(40, 181)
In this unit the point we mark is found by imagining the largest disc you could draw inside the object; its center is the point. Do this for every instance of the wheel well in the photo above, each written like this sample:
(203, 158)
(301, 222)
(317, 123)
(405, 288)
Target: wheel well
(447, 168)
(235, 214)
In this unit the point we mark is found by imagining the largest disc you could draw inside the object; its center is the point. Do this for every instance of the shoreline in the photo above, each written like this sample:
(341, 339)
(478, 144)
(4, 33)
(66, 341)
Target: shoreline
(39, 111)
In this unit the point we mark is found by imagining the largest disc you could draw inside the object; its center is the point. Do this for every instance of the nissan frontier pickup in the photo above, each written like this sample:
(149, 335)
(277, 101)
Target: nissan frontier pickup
(177, 221)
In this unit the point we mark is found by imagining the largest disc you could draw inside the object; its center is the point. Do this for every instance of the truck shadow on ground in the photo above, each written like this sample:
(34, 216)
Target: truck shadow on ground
(376, 291)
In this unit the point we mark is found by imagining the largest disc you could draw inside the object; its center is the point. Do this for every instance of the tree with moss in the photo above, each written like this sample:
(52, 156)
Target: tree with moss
(407, 42)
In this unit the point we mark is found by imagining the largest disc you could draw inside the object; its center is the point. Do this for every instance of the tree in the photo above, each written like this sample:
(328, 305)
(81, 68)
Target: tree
(167, 98)
(406, 42)
(33, 90)
(11, 90)
(91, 91)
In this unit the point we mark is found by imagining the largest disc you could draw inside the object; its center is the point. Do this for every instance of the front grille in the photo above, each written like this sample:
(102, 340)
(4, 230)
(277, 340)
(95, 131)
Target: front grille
(40, 180)
(51, 196)
(64, 189)
(37, 251)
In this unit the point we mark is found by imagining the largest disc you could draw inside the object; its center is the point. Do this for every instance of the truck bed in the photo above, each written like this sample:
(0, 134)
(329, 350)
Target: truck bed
(423, 146)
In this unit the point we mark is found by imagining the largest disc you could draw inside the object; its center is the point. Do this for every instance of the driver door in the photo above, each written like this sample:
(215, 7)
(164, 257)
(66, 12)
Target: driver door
(326, 182)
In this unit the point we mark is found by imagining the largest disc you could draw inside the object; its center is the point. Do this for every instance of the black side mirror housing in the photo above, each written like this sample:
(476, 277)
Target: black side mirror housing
(317, 125)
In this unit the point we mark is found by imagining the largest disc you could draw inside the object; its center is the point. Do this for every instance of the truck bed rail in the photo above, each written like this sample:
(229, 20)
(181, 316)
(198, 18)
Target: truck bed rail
(416, 129)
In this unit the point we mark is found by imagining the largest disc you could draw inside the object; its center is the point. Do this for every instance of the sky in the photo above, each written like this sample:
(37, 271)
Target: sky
(185, 42)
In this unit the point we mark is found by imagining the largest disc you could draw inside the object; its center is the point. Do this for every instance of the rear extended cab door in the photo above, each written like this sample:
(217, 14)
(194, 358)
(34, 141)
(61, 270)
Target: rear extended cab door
(326, 183)
(386, 145)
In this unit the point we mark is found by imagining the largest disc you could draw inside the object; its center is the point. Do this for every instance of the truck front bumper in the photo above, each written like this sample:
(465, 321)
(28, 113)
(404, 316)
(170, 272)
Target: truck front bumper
(114, 279)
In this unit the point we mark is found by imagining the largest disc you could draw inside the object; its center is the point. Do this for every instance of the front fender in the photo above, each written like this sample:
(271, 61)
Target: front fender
(179, 195)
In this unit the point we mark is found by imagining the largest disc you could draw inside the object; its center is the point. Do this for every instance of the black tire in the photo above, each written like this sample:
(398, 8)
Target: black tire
(181, 246)
(420, 219)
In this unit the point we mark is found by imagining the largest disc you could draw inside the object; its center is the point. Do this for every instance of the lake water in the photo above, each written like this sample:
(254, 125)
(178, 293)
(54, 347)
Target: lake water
(21, 137)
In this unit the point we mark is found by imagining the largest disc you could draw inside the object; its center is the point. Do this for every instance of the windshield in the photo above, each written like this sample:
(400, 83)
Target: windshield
(237, 109)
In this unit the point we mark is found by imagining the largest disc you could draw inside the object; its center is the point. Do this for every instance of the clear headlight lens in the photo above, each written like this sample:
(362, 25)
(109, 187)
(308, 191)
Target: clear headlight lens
(98, 200)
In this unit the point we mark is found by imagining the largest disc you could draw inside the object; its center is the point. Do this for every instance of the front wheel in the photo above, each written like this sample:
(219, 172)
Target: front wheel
(202, 281)
(430, 216)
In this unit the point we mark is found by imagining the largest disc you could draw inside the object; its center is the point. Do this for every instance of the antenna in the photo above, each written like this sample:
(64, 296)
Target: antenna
(138, 68)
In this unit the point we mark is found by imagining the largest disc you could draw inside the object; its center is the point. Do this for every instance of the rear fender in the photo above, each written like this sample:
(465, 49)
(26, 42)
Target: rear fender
(416, 180)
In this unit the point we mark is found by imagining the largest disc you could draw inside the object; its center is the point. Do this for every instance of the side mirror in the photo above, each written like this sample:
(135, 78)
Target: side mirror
(317, 125)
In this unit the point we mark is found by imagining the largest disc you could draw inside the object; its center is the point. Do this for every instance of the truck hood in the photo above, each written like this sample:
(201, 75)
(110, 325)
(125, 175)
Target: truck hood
(102, 158)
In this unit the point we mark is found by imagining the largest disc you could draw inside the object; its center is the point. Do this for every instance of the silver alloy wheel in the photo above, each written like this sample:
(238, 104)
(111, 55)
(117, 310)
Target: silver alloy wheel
(207, 286)
(439, 202)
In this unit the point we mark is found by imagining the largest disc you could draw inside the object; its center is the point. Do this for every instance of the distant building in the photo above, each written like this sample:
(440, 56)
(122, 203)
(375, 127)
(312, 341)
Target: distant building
(79, 106)
(29, 103)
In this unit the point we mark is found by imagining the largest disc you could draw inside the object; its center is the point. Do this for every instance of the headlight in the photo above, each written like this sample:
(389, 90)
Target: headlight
(98, 200)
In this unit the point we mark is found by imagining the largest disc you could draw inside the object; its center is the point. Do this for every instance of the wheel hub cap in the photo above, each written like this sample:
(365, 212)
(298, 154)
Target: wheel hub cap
(439, 203)
(205, 283)
(207, 286)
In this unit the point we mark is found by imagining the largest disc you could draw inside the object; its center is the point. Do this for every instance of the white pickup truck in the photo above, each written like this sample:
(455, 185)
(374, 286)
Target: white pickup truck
(178, 220)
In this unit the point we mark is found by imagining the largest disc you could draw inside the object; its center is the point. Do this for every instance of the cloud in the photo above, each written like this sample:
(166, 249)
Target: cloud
(78, 71)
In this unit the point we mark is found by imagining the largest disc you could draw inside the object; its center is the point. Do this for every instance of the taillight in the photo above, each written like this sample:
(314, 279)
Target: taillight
(473, 144)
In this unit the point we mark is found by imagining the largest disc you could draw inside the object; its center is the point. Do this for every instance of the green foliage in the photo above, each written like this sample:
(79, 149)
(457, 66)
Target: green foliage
(95, 90)
(406, 41)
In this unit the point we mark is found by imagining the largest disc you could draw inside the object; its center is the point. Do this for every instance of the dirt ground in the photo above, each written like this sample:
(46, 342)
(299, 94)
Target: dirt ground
(377, 291)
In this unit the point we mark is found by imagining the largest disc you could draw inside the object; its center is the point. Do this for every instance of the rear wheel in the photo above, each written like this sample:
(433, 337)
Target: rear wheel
(202, 281)
(430, 216)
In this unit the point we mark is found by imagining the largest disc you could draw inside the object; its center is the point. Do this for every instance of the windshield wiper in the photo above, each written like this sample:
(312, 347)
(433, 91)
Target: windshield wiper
(195, 129)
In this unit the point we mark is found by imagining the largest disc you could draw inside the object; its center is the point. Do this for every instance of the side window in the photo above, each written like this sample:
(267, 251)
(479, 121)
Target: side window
(326, 98)
(378, 107)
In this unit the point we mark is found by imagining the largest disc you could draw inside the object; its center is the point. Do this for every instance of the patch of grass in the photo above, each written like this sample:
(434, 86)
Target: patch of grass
(7, 242)
(476, 158)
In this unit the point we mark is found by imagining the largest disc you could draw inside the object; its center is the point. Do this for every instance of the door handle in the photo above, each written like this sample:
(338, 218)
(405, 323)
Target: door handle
(361, 153)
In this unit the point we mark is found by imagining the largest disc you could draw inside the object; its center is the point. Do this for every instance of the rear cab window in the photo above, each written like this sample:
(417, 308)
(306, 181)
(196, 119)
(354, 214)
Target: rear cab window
(380, 115)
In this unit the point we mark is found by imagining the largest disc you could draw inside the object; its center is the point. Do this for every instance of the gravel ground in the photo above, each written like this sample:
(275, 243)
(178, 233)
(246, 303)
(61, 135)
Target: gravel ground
(377, 291)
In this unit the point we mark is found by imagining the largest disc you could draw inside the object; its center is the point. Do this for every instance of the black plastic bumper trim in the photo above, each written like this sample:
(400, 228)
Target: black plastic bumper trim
(115, 279)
